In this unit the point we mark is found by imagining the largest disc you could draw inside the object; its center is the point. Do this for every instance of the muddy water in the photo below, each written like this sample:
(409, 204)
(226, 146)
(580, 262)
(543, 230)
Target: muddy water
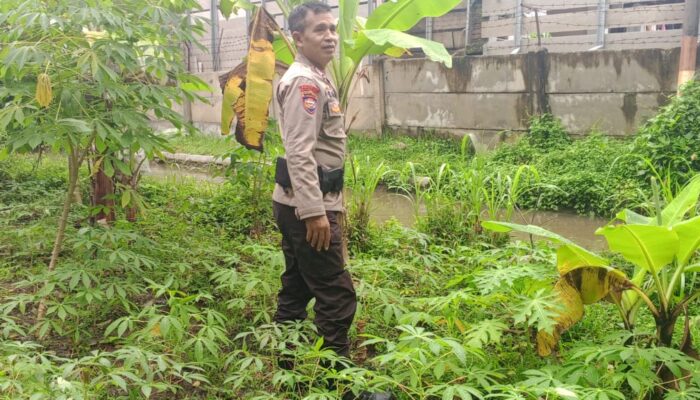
(387, 205)
(578, 228)
(178, 172)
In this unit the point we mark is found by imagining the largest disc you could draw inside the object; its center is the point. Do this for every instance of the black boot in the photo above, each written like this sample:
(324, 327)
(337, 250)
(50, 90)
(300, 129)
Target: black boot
(285, 362)
(364, 395)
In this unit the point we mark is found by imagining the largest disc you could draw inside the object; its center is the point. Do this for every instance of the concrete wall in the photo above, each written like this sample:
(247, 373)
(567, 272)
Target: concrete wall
(612, 91)
(484, 96)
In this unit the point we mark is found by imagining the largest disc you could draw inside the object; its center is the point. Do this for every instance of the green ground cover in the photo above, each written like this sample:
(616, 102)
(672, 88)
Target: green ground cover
(179, 304)
(594, 175)
(174, 298)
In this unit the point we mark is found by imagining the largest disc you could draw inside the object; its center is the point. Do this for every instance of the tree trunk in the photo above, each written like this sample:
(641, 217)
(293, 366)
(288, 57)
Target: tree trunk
(73, 168)
(664, 329)
(665, 325)
(103, 189)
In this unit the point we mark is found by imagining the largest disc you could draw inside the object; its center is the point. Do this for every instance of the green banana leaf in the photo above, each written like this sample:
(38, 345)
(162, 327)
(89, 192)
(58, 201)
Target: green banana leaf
(387, 39)
(569, 255)
(647, 246)
(399, 15)
(682, 203)
(283, 53)
(688, 233)
(403, 15)
(346, 21)
(631, 217)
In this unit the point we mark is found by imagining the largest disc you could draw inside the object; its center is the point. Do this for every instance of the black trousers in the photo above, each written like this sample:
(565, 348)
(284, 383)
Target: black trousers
(313, 274)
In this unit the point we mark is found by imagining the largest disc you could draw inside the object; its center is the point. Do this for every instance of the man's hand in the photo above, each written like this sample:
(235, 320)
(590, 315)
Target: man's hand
(318, 232)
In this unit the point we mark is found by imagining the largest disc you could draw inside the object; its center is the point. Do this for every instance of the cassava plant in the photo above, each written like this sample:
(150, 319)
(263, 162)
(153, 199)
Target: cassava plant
(82, 77)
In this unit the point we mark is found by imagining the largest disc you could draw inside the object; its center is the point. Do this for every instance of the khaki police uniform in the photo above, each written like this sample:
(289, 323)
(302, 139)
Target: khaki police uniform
(313, 133)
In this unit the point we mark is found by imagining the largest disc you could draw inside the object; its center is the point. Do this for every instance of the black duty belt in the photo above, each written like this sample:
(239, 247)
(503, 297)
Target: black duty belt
(330, 180)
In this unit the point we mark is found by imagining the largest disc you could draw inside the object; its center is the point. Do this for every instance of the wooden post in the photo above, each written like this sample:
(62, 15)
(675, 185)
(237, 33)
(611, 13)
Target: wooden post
(689, 43)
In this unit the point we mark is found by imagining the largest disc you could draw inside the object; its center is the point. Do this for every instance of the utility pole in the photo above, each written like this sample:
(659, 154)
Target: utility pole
(602, 17)
(468, 25)
(689, 42)
(186, 104)
(214, 11)
(518, 34)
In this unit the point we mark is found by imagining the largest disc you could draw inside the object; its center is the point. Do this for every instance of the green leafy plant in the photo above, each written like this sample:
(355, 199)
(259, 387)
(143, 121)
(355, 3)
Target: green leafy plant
(671, 139)
(546, 132)
(108, 65)
(660, 247)
(364, 180)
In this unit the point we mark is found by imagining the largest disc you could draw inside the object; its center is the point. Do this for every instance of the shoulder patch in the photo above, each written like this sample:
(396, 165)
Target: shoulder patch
(309, 96)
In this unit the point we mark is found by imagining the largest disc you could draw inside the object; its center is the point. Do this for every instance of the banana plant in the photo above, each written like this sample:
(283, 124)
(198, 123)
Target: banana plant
(383, 32)
(662, 249)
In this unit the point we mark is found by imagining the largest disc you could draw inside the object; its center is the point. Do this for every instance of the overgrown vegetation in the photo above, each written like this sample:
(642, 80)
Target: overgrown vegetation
(670, 141)
(179, 305)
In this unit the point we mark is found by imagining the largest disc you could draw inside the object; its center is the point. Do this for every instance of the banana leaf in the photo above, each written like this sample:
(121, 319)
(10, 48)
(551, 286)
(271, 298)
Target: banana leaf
(649, 247)
(581, 286)
(682, 203)
(247, 89)
(401, 16)
(584, 278)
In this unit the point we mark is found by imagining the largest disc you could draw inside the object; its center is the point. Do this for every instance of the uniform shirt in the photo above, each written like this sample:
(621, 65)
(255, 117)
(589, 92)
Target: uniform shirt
(313, 133)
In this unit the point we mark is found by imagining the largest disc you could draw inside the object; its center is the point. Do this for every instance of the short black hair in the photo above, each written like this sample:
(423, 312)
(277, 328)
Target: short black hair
(297, 17)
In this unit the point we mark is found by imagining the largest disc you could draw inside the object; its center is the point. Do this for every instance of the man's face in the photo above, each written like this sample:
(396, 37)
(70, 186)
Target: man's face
(319, 39)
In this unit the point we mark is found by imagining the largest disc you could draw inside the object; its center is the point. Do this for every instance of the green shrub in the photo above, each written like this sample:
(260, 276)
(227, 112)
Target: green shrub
(671, 140)
(594, 175)
(546, 132)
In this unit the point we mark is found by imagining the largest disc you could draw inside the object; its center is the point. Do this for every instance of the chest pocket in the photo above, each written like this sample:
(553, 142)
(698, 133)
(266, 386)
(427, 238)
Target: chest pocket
(333, 121)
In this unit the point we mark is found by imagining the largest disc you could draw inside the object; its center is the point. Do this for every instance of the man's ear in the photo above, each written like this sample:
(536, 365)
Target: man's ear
(297, 38)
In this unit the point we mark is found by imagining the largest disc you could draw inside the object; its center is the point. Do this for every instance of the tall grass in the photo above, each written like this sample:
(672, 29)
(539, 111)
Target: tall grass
(364, 180)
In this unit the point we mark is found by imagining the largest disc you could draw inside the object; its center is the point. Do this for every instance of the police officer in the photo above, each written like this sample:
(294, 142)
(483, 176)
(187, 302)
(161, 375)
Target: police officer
(308, 199)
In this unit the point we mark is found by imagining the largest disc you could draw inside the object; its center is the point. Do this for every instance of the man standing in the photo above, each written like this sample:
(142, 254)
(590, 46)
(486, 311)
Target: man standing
(307, 200)
(308, 197)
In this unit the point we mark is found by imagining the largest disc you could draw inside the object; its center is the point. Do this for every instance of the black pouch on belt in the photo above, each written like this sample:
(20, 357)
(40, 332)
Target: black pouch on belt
(282, 173)
(329, 180)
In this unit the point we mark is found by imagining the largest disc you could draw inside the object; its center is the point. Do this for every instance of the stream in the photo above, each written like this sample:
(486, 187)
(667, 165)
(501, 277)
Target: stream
(387, 205)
